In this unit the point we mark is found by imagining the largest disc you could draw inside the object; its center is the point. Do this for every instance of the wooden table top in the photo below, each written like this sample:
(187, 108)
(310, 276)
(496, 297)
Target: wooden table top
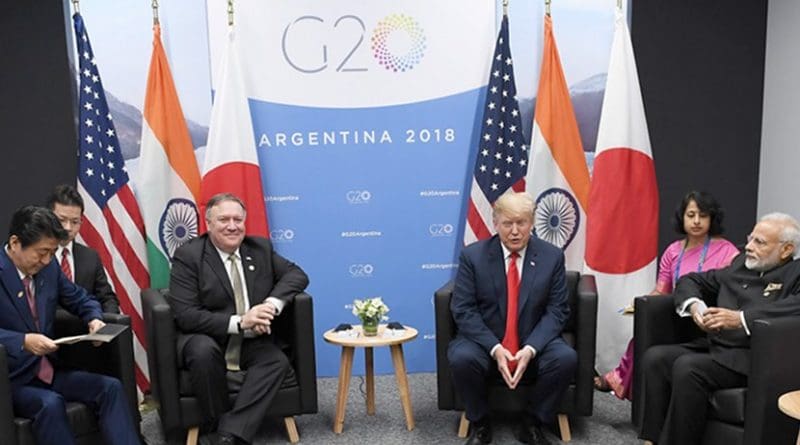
(789, 403)
(362, 341)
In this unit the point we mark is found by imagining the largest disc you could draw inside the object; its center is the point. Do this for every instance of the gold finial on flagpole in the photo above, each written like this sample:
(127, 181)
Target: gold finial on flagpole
(155, 12)
(505, 7)
(547, 7)
(76, 4)
(230, 12)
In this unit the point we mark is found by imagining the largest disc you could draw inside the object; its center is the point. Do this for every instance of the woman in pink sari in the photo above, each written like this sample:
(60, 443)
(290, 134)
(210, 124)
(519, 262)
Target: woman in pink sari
(699, 218)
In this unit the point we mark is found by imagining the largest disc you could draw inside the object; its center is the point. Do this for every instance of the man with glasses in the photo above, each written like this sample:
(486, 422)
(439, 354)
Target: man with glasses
(763, 282)
(79, 263)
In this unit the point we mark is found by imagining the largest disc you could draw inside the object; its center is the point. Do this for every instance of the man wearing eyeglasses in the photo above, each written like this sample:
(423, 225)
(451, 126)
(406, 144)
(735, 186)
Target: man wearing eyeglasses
(79, 263)
(763, 282)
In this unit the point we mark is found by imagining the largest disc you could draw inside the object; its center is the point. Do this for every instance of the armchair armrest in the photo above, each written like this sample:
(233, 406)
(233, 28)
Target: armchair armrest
(774, 370)
(445, 330)
(8, 431)
(114, 359)
(585, 344)
(304, 361)
(162, 354)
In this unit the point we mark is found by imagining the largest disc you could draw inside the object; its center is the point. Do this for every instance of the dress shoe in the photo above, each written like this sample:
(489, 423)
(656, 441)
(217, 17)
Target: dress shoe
(531, 434)
(481, 433)
(219, 438)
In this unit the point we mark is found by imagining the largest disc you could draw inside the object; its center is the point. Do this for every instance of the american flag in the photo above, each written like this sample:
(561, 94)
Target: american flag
(112, 223)
(502, 159)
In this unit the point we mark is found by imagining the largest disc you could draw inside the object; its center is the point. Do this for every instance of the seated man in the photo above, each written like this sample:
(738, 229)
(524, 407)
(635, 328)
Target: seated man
(764, 282)
(510, 305)
(80, 264)
(225, 289)
(32, 287)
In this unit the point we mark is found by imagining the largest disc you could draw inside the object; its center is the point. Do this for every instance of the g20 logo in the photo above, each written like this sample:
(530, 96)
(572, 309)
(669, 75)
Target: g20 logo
(358, 196)
(282, 235)
(361, 270)
(441, 229)
(398, 43)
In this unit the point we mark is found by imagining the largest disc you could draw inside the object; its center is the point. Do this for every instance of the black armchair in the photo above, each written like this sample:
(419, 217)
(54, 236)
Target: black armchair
(748, 416)
(178, 408)
(113, 359)
(579, 332)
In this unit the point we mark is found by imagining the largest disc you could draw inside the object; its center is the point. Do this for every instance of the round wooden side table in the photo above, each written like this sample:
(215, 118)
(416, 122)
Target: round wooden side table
(789, 403)
(348, 344)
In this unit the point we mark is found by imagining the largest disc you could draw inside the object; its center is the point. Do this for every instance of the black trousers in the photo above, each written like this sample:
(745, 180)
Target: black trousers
(678, 381)
(266, 365)
(551, 371)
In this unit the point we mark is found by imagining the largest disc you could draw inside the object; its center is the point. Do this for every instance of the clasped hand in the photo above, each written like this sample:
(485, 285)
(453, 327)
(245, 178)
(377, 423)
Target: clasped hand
(715, 319)
(259, 318)
(504, 356)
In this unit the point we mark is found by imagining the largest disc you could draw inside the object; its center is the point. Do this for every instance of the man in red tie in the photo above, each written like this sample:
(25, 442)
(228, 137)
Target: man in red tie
(81, 264)
(510, 306)
(31, 287)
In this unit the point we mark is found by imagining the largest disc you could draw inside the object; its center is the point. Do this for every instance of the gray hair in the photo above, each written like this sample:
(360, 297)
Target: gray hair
(220, 198)
(790, 228)
(513, 203)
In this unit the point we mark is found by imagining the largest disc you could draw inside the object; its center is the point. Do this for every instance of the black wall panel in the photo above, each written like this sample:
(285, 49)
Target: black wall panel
(701, 68)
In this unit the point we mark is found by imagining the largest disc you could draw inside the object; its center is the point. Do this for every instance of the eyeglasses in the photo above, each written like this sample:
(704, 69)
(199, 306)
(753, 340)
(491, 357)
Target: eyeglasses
(761, 242)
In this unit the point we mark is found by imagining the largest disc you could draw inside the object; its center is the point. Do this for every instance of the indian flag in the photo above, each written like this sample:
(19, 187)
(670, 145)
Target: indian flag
(557, 177)
(169, 180)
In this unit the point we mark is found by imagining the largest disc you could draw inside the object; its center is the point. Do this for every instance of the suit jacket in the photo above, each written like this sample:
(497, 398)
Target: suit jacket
(200, 290)
(16, 319)
(775, 293)
(479, 300)
(90, 275)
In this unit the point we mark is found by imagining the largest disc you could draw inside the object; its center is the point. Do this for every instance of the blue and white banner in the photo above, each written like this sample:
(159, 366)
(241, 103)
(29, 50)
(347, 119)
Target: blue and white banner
(365, 117)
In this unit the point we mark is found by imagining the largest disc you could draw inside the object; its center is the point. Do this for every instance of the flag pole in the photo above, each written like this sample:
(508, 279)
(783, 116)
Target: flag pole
(230, 12)
(547, 7)
(155, 13)
(76, 4)
(505, 7)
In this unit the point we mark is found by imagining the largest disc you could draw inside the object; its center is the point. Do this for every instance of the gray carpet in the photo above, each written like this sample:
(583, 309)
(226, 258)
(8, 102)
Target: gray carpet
(610, 423)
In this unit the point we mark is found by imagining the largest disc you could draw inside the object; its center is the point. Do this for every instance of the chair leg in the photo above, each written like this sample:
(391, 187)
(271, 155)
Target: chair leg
(291, 429)
(463, 426)
(191, 435)
(563, 427)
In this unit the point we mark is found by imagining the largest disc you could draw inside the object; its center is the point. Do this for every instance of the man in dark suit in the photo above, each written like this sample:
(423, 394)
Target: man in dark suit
(31, 287)
(225, 290)
(510, 306)
(80, 264)
(764, 282)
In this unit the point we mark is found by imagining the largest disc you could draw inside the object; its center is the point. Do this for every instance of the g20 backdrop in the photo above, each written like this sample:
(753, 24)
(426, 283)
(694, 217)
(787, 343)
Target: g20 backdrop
(366, 119)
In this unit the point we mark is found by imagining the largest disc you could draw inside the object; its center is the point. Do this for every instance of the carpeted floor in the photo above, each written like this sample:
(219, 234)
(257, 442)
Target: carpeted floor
(610, 423)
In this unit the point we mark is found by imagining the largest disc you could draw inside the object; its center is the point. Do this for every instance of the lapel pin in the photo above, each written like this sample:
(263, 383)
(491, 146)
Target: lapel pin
(533, 264)
(251, 267)
(248, 258)
(20, 294)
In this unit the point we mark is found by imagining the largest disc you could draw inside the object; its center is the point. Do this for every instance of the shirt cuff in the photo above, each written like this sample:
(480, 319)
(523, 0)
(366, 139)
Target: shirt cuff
(533, 350)
(494, 348)
(683, 310)
(233, 324)
(278, 303)
(744, 323)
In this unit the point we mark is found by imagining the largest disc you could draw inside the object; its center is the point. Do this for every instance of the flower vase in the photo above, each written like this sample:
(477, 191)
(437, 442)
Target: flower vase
(369, 326)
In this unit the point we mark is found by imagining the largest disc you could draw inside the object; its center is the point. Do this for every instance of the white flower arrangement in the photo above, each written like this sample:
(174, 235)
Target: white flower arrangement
(370, 309)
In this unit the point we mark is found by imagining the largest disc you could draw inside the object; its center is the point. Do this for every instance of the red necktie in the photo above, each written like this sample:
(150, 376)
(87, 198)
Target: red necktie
(65, 263)
(45, 372)
(511, 338)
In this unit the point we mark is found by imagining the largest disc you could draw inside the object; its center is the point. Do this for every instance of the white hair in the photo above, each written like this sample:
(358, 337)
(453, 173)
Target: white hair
(790, 228)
